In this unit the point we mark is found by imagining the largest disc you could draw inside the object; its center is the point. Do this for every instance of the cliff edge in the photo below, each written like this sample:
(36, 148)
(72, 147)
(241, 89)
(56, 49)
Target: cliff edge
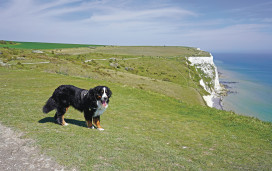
(209, 79)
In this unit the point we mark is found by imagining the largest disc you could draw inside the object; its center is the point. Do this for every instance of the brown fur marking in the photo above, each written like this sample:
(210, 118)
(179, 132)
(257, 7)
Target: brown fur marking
(89, 123)
(97, 122)
(63, 121)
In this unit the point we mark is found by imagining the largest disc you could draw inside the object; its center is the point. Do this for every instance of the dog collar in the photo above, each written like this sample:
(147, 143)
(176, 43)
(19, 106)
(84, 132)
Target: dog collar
(83, 94)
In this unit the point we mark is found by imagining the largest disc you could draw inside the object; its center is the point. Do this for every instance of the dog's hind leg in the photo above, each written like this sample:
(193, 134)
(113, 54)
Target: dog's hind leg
(59, 116)
(63, 121)
(56, 116)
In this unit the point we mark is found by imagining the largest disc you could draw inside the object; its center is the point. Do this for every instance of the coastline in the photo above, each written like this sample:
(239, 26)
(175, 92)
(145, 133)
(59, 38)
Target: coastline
(229, 83)
(243, 87)
(245, 94)
(226, 86)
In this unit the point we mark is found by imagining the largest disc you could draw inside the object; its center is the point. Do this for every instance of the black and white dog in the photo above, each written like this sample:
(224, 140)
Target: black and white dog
(92, 102)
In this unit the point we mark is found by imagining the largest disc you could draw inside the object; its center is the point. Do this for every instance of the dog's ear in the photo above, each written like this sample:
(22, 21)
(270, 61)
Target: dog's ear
(94, 93)
(109, 93)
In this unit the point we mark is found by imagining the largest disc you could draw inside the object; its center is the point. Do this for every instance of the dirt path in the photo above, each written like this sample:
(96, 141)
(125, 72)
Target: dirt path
(20, 154)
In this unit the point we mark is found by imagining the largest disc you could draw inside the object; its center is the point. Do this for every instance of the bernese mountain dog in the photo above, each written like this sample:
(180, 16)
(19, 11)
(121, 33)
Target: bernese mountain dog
(92, 102)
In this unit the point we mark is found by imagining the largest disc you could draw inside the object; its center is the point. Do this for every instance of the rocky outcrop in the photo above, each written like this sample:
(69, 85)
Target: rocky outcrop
(37, 51)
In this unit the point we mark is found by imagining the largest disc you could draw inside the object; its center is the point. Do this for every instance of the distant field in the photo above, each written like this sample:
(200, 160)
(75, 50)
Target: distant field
(155, 51)
(39, 45)
(164, 51)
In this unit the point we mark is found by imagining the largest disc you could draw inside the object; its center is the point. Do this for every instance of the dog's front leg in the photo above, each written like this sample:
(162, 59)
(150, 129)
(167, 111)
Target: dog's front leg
(97, 123)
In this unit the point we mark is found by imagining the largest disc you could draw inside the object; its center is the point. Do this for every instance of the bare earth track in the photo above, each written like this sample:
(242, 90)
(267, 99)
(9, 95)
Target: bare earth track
(20, 154)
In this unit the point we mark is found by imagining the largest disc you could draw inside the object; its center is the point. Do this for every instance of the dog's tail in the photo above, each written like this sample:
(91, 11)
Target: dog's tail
(49, 106)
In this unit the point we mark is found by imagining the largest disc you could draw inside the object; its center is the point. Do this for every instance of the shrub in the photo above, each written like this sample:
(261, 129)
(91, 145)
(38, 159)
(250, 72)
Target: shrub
(3, 42)
(166, 79)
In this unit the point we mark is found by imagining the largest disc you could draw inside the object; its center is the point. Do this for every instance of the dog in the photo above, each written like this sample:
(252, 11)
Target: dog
(92, 102)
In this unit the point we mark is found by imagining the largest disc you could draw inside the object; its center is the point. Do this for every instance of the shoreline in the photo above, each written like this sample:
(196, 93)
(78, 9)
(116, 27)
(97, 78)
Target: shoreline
(215, 100)
(248, 85)
(225, 91)
(243, 96)
(229, 83)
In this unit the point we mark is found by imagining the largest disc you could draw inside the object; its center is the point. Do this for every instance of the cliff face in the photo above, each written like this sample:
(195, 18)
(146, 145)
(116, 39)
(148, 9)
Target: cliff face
(209, 79)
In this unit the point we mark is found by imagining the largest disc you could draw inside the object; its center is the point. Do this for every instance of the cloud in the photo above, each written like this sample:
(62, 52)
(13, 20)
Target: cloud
(119, 15)
(267, 20)
(32, 17)
(240, 37)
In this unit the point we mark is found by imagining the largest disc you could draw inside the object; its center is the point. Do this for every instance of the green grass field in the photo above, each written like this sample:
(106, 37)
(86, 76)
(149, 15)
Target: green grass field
(147, 127)
(36, 45)
(143, 130)
(154, 51)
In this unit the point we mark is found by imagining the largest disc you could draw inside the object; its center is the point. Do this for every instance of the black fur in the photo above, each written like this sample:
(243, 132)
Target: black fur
(49, 106)
(81, 99)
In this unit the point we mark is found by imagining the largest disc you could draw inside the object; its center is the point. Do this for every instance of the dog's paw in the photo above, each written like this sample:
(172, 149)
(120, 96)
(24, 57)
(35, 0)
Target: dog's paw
(58, 121)
(92, 127)
(65, 124)
(100, 129)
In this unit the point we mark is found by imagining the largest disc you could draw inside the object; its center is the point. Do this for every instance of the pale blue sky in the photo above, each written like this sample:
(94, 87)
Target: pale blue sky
(212, 25)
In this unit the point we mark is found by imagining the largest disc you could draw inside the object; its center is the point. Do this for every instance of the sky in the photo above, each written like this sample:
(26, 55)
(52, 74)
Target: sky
(212, 25)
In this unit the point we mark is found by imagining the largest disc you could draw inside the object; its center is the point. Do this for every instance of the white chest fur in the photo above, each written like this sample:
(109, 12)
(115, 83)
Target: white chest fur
(100, 109)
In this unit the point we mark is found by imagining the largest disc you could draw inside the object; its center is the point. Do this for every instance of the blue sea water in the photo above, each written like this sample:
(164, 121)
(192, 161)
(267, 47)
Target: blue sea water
(249, 79)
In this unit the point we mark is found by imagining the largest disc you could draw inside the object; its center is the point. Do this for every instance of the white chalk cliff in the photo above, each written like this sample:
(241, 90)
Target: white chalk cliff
(209, 78)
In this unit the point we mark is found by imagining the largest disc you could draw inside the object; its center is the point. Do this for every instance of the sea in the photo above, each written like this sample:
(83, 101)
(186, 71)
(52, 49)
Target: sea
(248, 77)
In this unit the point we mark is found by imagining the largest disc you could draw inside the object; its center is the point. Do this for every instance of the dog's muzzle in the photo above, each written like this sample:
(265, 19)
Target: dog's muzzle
(104, 101)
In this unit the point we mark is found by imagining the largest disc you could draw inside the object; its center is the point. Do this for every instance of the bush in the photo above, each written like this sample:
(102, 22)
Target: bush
(166, 79)
(7, 55)
(3, 42)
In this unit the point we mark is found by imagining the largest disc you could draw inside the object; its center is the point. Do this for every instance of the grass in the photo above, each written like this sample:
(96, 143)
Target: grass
(168, 76)
(155, 51)
(40, 45)
(143, 130)
(156, 119)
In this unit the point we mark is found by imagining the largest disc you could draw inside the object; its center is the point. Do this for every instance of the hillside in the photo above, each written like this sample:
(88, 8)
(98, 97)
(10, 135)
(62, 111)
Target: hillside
(165, 74)
(157, 119)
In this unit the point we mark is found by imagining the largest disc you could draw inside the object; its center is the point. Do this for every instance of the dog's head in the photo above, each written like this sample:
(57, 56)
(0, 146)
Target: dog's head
(102, 94)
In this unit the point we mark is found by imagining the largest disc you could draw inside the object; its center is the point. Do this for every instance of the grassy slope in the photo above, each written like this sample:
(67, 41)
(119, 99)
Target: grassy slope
(157, 62)
(35, 45)
(143, 130)
(147, 126)
(164, 75)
